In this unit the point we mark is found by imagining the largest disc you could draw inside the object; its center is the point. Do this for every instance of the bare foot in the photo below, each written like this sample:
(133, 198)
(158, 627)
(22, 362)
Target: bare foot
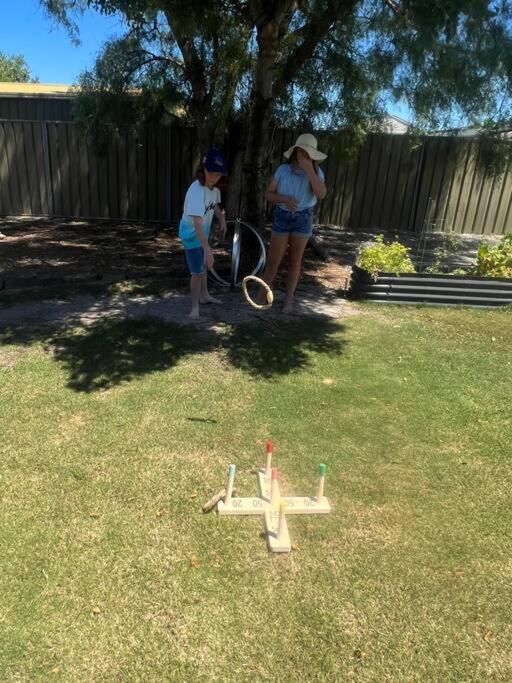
(193, 315)
(210, 300)
(288, 307)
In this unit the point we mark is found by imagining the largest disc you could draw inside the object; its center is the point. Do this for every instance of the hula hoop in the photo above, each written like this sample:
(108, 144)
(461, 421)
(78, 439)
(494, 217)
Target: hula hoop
(270, 296)
(235, 255)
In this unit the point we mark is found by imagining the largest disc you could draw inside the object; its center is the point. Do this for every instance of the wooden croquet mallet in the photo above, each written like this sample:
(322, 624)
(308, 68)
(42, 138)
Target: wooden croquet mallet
(212, 503)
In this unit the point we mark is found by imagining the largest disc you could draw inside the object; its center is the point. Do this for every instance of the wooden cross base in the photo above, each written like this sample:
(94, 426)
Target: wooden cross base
(274, 518)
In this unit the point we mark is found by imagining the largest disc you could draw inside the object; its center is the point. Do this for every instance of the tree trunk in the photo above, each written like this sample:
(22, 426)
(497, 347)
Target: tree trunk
(235, 155)
(195, 73)
(271, 26)
(256, 163)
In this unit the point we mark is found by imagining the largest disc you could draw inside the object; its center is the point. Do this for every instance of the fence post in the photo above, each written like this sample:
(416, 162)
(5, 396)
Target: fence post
(47, 169)
(417, 184)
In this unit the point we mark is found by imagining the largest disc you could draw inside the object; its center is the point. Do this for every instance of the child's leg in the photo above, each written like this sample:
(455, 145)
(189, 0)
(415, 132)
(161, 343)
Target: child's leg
(297, 246)
(205, 296)
(195, 262)
(277, 248)
(195, 291)
(276, 251)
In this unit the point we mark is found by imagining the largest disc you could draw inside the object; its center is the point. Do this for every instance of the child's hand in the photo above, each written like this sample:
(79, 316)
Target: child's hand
(305, 163)
(291, 203)
(208, 258)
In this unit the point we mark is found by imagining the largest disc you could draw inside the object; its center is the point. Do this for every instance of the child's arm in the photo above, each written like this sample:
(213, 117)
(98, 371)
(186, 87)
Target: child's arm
(272, 195)
(208, 256)
(219, 213)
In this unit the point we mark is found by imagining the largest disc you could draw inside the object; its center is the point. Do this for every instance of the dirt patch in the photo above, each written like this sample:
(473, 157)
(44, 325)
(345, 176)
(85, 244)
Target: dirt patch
(43, 252)
(171, 307)
(8, 359)
(40, 252)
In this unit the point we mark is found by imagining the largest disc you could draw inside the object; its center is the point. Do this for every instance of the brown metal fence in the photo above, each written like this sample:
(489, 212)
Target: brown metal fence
(129, 180)
(396, 182)
(23, 178)
(393, 183)
(47, 168)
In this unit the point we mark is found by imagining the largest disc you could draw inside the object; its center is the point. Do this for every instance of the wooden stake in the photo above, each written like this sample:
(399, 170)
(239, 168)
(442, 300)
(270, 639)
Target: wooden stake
(231, 480)
(268, 464)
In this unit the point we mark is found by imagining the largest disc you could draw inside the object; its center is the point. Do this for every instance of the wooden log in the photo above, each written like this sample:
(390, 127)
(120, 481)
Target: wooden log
(315, 244)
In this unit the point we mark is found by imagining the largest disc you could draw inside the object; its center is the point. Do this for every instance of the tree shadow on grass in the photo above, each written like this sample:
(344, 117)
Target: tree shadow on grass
(269, 353)
(111, 352)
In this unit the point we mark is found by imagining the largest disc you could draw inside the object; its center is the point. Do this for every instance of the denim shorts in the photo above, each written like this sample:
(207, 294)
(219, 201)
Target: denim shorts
(195, 260)
(299, 223)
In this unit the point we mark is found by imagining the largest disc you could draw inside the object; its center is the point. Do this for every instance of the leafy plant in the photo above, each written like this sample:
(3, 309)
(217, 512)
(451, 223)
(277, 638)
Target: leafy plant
(387, 258)
(449, 244)
(494, 261)
(14, 68)
(435, 268)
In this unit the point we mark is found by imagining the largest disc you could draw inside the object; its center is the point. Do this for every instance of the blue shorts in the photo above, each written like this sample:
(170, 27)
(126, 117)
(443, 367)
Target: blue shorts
(195, 260)
(299, 223)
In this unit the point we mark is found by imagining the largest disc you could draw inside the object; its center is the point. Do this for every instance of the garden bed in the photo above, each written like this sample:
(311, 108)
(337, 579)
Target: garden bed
(43, 253)
(426, 288)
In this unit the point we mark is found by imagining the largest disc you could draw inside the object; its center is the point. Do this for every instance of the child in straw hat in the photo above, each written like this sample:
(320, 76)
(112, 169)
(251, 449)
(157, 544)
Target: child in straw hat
(295, 189)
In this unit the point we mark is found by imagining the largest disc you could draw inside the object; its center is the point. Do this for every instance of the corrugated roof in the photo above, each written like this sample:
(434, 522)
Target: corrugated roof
(34, 89)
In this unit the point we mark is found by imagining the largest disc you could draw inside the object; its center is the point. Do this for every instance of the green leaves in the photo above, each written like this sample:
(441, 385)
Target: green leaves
(494, 261)
(14, 69)
(337, 63)
(385, 258)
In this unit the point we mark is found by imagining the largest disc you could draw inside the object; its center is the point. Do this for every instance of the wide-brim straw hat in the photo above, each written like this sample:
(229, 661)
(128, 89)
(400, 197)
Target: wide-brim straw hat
(308, 143)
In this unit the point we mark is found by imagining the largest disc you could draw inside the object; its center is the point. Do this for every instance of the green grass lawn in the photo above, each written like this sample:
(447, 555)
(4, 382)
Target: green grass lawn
(112, 437)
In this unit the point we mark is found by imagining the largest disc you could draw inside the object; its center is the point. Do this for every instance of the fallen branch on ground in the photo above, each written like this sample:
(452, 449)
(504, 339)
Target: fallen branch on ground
(316, 245)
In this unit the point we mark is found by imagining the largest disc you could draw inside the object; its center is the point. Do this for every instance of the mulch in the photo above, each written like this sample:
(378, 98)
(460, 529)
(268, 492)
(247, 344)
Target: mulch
(42, 252)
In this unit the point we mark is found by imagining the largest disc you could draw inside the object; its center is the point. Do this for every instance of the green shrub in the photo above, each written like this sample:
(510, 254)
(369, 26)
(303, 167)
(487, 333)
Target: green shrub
(449, 244)
(494, 261)
(385, 258)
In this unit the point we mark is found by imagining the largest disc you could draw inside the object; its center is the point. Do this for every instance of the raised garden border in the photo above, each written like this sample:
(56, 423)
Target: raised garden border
(430, 289)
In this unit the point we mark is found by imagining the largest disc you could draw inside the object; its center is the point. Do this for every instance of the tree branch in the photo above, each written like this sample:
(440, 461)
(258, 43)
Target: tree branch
(261, 14)
(314, 31)
(130, 72)
(394, 6)
(163, 58)
(193, 67)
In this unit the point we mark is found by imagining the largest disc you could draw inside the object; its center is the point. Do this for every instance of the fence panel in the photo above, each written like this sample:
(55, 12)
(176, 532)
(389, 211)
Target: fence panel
(49, 168)
(22, 171)
(394, 179)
